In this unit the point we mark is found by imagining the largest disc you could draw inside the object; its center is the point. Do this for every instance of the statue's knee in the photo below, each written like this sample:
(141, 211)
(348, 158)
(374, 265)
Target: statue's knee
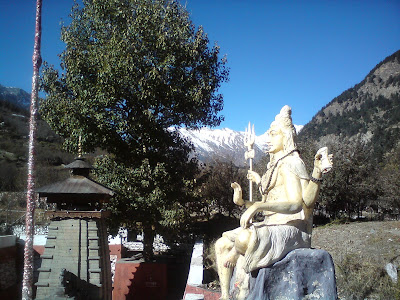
(222, 244)
(242, 241)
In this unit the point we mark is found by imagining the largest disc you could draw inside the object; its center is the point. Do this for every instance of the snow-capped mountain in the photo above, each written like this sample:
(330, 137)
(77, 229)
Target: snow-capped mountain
(16, 96)
(224, 144)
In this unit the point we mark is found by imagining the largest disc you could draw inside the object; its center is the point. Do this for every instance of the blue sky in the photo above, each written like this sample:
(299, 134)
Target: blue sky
(300, 53)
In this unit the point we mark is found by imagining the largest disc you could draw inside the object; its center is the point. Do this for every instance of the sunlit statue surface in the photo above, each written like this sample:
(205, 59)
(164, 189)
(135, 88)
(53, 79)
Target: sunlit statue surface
(288, 198)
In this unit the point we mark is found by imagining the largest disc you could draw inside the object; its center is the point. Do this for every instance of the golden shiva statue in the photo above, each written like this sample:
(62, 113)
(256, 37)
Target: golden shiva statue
(288, 198)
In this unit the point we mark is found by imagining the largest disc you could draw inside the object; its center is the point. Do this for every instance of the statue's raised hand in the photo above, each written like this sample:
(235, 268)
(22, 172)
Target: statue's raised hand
(253, 176)
(237, 194)
(323, 161)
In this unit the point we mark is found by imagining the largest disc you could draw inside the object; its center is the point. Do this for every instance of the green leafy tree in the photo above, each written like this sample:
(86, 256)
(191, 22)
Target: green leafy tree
(216, 189)
(351, 185)
(131, 71)
(389, 181)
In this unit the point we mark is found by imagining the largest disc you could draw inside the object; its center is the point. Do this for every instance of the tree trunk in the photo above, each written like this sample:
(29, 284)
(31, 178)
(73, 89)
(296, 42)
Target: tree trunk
(148, 239)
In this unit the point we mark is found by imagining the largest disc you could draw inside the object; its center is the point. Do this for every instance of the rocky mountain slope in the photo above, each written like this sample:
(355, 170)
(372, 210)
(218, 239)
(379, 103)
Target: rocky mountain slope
(368, 112)
(16, 96)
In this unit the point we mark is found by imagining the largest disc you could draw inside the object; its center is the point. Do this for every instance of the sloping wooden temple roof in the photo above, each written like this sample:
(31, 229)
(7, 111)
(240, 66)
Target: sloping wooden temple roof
(77, 187)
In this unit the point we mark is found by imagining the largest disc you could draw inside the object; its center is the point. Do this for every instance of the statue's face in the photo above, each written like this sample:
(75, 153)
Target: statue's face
(275, 140)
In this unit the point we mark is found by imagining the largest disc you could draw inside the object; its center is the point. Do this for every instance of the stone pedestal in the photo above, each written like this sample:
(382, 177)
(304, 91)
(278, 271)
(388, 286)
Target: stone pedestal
(76, 262)
(301, 274)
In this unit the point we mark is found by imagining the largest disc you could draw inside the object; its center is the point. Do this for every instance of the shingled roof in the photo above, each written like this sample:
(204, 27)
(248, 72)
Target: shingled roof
(75, 185)
(78, 183)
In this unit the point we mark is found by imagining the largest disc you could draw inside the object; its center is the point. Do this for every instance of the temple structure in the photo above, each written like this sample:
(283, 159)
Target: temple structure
(76, 262)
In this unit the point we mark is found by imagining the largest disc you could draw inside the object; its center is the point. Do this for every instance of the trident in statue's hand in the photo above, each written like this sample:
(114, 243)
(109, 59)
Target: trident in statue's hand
(249, 154)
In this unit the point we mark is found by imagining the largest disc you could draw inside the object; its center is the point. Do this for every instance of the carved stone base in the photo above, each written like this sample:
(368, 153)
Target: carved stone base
(76, 261)
(301, 274)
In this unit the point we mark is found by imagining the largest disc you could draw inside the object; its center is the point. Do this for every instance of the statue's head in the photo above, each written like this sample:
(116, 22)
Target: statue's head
(282, 134)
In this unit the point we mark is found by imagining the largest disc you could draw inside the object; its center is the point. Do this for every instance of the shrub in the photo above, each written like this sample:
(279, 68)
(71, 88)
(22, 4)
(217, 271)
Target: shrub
(363, 279)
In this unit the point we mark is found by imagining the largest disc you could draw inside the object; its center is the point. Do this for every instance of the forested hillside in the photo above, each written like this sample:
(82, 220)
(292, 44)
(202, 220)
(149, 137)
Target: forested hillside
(14, 122)
(369, 111)
(362, 129)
